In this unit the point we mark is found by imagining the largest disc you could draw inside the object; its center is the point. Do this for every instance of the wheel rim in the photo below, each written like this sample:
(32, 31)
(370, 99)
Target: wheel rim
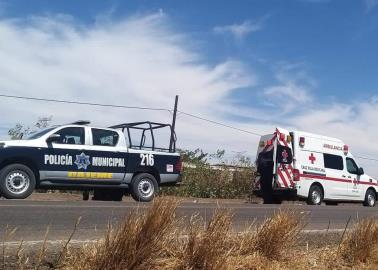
(17, 182)
(371, 199)
(316, 197)
(146, 188)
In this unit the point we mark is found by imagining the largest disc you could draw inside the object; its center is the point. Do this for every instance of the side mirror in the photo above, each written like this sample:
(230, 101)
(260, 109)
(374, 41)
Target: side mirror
(360, 171)
(53, 138)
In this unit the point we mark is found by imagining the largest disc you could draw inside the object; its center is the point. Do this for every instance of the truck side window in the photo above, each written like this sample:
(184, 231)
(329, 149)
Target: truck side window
(104, 137)
(333, 162)
(351, 166)
(71, 135)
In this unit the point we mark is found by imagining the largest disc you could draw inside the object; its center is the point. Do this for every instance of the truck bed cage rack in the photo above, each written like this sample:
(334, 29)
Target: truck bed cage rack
(148, 126)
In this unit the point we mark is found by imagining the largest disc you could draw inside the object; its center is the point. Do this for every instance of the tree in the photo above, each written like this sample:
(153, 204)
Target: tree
(20, 131)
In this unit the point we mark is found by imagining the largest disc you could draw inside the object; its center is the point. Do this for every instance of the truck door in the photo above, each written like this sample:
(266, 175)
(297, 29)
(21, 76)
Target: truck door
(59, 157)
(107, 159)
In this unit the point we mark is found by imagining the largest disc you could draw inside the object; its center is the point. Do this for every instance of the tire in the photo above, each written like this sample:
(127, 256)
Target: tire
(143, 187)
(370, 198)
(315, 195)
(103, 194)
(17, 181)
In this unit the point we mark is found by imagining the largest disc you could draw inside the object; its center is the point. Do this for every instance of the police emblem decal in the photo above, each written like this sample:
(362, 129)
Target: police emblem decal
(82, 161)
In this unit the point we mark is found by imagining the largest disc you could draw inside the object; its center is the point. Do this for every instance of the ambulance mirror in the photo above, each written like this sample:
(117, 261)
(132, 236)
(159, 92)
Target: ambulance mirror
(360, 171)
(53, 138)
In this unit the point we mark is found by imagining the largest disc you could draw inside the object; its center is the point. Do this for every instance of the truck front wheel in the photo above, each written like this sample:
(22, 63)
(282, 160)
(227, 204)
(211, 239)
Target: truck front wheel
(143, 187)
(17, 181)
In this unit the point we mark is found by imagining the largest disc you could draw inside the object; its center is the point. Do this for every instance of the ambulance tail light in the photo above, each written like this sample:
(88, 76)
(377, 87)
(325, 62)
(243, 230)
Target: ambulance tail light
(346, 149)
(302, 141)
(282, 137)
(296, 175)
(269, 142)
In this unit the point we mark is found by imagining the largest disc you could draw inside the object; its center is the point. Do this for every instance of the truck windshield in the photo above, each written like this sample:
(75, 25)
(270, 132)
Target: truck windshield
(39, 134)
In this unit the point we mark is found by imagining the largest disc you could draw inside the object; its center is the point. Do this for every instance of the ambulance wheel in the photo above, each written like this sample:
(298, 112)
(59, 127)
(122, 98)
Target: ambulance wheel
(143, 187)
(17, 181)
(370, 198)
(315, 195)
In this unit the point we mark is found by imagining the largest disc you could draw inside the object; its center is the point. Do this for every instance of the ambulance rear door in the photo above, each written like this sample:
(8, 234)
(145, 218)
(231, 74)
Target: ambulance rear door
(265, 161)
(283, 171)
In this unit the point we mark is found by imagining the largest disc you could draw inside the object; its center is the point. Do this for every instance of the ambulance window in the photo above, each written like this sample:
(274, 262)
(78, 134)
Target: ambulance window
(104, 137)
(351, 166)
(71, 135)
(333, 162)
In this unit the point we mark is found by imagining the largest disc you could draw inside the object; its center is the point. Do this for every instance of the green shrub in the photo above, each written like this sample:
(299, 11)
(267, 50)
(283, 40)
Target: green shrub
(228, 179)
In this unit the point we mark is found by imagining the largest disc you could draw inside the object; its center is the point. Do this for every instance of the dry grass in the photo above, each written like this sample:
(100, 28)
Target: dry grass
(206, 246)
(361, 243)
(135, 244)
(157, 239)
(278, 234)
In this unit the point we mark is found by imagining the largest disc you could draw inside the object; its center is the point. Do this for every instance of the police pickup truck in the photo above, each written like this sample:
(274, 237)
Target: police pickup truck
(77, 156)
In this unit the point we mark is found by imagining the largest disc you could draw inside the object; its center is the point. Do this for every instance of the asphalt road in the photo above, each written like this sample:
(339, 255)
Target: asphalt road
(31, 218)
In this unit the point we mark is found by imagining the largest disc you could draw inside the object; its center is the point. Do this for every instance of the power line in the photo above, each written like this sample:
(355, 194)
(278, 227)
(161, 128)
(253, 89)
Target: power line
(367, 158)
(218, 123)
(84, 103)
(145, 108)
(126, 107)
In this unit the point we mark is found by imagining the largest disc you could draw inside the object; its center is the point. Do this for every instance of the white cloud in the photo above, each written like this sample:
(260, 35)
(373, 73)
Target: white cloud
(138, 61)
(238, 31)
(142, 61)
(293, 89)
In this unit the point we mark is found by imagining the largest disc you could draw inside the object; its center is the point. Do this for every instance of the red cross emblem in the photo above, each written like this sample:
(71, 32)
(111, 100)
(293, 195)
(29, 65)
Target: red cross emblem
(285, 155)
(312, 158)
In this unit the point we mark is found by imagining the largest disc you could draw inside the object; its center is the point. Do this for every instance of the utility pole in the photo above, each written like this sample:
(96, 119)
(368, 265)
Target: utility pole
(172, 144)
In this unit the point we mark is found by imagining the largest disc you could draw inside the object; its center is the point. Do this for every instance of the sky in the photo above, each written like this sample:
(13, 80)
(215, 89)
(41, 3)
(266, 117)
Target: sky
(310, 65)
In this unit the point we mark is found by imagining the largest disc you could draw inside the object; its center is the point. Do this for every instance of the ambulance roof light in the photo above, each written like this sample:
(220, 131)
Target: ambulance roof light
(346, 149)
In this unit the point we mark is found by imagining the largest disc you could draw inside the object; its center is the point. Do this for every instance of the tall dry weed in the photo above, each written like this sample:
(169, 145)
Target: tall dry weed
(206, 247)
(361, 243)
(135, 244)
(277, 234)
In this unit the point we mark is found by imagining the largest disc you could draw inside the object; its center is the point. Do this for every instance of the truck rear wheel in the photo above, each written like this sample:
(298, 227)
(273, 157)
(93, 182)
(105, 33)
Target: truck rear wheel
(315, 195)
(17, 181)
(370, 198)
(143, 187)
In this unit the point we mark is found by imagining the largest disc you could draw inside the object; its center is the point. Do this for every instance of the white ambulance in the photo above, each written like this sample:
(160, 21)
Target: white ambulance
(312, 167)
